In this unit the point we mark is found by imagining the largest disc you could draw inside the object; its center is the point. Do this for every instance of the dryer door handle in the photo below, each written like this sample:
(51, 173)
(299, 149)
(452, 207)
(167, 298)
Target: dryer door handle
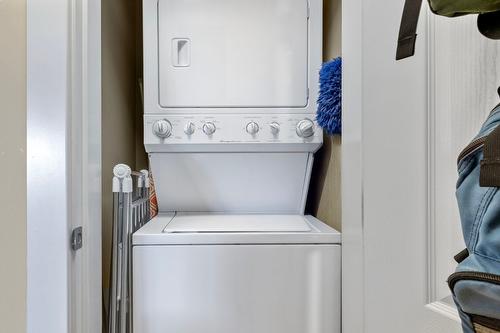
(181, 52)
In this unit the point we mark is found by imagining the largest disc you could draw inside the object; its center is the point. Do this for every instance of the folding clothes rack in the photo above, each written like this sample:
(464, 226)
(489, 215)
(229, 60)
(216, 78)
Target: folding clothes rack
(131, 210)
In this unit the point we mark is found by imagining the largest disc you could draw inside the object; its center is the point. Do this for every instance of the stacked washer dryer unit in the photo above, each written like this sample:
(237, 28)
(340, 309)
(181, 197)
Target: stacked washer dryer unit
(230, 91)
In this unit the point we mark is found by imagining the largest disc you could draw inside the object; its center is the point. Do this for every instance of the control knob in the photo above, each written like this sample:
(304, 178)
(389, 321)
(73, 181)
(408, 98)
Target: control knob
(162, 128)
(305, 128)
(275, 127)
(209, 128)
(252, 128)
(189, 128)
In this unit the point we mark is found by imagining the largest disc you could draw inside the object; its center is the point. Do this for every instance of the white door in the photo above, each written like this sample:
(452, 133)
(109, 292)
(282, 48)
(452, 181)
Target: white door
(63, 166)
(403, 125)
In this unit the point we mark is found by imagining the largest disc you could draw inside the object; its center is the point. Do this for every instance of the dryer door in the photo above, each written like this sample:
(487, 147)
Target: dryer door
(233, 53)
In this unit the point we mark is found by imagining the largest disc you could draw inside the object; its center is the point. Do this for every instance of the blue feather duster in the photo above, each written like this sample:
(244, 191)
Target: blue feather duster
(329, 115)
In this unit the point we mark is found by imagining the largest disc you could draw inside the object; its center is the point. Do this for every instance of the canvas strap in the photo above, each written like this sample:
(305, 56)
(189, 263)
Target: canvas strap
(461, 256)
(408, 29)
(485, 324)
(490, 164)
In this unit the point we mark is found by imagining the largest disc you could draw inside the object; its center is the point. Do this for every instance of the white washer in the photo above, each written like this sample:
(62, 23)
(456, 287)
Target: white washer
(236, 273)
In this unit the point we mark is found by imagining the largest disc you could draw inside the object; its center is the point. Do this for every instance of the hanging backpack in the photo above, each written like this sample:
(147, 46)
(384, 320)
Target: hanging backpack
(488, 21)
(476, 283)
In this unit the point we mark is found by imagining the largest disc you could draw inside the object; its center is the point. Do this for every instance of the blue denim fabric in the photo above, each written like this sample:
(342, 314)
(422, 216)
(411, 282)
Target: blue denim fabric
(480, 217)
(467, 325)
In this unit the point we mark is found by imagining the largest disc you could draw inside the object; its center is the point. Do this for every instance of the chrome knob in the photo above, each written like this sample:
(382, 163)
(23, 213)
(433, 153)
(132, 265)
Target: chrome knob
(162, 128)
(209, 128)
(305, 128)
(275, 127)
(189, 128)
(252, 128)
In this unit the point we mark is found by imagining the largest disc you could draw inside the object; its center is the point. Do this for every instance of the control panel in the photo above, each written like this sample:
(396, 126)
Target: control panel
(176, 132)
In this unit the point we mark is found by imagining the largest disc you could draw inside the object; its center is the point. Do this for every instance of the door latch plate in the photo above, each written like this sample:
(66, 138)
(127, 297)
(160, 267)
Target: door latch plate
(77, 238)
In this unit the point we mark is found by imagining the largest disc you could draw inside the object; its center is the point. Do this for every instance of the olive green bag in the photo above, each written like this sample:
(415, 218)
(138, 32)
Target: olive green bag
(488, 21)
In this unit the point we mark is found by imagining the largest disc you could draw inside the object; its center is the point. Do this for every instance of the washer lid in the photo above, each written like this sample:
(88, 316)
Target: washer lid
(196, 223)
(234, 229)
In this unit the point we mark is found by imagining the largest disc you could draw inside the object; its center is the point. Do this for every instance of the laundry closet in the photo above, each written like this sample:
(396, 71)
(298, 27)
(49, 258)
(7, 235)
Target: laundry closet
(128, 130)
(248, 233)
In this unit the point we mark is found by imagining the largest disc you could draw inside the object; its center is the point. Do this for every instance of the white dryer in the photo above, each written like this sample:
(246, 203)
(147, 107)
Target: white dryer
(230, 90)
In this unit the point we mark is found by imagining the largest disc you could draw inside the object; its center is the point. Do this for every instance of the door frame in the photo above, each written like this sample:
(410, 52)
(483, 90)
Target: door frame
(63, 165)
(352, 169)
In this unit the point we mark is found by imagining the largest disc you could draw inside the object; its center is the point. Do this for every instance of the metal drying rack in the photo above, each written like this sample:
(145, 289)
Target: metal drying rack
(131, 210)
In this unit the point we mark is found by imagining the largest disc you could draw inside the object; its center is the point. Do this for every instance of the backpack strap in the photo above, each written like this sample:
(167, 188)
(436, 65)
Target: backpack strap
(408, 29)
(461, 256)
(490, 164)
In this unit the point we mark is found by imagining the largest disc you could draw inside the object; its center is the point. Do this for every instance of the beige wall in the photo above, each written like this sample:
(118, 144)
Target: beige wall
(324, 194)
(120, 29)
(13, 166)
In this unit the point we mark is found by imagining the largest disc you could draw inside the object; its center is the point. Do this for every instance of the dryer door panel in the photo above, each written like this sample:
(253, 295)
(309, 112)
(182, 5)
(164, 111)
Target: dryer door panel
(233, 53)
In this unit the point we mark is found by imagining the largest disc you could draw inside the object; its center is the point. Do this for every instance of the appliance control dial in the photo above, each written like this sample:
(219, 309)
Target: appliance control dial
(209, 128)
(252, 128)
(189, 128)
(162, 128)
(275, 127)
(305, 128)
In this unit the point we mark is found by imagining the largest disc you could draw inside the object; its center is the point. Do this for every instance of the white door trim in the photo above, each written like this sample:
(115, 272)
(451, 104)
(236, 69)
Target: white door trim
(433, 303)
(86, 298)
(352, 169)
(63, 165)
